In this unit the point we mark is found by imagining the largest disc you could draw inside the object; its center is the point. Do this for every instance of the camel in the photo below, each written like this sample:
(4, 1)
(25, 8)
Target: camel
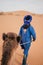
(10, 43)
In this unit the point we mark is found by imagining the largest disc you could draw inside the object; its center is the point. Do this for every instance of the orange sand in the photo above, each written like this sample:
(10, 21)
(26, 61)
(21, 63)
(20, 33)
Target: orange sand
(11, 22)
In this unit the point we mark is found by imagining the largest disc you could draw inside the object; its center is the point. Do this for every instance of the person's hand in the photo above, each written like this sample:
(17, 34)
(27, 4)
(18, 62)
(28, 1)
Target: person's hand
(22, 46)
(33, 39)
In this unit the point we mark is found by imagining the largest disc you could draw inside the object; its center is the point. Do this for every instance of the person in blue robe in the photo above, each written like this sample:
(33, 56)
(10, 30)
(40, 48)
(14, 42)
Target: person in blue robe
(27, 34)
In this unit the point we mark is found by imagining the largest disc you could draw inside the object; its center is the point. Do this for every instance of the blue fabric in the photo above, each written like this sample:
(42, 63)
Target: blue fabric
(26, 49)
(29, 19)
(26, 37)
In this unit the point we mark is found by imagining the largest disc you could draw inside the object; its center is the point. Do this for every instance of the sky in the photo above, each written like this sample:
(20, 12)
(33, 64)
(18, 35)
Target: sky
(34, 6)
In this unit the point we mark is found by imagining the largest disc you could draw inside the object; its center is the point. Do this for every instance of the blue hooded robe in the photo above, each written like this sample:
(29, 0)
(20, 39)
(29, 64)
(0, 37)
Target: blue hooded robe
(27, 37)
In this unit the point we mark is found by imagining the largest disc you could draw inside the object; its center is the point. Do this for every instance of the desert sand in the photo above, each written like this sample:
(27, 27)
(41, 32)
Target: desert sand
(11, 22)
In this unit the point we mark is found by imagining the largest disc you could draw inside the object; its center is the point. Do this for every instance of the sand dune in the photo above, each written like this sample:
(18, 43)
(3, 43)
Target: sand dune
(12, 23)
